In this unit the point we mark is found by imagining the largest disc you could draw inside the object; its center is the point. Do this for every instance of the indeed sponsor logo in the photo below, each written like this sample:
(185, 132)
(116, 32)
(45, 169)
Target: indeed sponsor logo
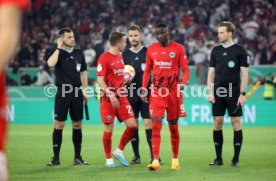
(163, 64)
(119, 71)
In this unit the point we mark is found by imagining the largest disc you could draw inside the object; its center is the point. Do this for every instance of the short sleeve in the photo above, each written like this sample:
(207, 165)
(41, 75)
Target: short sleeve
(22, 4)
(212, 59)
(244, 58)
(101, 66)
(83, 64)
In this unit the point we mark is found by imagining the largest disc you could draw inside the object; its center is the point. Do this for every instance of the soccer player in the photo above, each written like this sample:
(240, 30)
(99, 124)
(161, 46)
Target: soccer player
(70, 68)
(10, 22)
(228, 60)
(114, 102)
(165, 59)
(136, 57)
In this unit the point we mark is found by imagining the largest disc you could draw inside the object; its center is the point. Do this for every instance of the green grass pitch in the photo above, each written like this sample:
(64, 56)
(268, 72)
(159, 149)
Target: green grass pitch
(29, 150)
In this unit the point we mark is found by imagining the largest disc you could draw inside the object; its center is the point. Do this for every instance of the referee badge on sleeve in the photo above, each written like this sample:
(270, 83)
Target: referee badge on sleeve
(143, 66)
(78, 67)
(99, 68)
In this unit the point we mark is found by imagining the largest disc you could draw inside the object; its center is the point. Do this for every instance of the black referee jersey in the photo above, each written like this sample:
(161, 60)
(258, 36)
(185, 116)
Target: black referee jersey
(227, 62)
(69, 66)
(137, 59)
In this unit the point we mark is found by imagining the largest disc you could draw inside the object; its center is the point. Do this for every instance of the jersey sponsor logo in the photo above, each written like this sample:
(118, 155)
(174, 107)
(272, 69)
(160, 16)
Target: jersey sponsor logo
(99, 68)
(231, 64)
(163, 64)
(164, 53)
(172, 55)
(119, 71)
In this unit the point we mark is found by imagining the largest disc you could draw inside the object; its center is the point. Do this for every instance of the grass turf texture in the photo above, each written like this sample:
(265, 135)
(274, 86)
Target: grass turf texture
(29, 150)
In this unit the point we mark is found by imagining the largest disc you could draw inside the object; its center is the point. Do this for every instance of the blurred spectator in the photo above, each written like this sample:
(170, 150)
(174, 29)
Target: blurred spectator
(25, 79)
(89, 55)
(43, 78)
(189, 22)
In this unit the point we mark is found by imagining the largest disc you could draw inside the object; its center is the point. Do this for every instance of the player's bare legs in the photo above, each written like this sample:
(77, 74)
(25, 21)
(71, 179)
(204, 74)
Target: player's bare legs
(156, 140)
(238, 138)
(218, 140)
(175, 140)
(131, 126)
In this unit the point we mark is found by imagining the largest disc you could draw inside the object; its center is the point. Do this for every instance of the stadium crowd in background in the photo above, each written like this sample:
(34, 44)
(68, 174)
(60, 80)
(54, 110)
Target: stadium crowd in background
(192, 23)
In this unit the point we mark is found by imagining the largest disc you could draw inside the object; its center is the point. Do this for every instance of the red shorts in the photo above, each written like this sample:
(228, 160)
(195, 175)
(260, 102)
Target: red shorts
(172, 104)
(123, 113)
(3, 127)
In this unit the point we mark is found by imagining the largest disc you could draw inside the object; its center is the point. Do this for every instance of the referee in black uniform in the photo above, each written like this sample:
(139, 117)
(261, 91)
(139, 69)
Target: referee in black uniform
(136, 57)
(71, 75)
(227, 89)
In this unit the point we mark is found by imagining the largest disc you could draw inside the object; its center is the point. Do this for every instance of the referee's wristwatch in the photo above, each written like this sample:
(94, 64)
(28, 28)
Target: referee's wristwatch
(243, 93)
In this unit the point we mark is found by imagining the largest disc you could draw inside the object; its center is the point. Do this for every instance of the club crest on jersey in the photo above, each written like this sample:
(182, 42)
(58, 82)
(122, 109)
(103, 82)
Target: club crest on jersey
(99, 68)
(172, 55)
(231, 64)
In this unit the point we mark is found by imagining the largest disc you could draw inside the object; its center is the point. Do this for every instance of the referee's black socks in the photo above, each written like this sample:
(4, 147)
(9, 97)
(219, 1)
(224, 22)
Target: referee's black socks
(77, 140)
(149, 135)
(57, 140)
(218, 142)
(135, 143)
(237, 141)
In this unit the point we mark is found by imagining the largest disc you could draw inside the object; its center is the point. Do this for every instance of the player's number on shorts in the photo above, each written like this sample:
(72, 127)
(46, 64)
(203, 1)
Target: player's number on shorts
(129, 109)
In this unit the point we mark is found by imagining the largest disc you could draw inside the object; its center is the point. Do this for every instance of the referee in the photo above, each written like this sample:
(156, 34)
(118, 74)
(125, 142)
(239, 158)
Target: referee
(136, 57)
(227, 89)
(70, 68)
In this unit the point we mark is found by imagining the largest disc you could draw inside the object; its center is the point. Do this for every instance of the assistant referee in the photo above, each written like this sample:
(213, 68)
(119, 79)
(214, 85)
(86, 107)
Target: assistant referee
(228, 60)
(70, 68)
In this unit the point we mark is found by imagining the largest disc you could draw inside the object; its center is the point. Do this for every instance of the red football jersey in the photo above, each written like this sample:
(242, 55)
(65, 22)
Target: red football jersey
(165, 63)
(112, 68)
(22, 4)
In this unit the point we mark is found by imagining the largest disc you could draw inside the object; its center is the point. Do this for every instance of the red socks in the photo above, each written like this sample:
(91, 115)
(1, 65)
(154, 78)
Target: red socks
(126, 137)
(174, 139)
(156, 138)
(107, 142)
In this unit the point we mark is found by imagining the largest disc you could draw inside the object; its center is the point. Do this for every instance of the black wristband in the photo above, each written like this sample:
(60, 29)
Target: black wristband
(243, 93)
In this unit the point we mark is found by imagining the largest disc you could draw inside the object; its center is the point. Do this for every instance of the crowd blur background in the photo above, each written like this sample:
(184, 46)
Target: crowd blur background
(192, 23)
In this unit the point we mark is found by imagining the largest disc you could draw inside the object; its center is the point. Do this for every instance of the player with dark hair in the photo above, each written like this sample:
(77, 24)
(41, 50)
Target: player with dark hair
(165, 59)
(10, 25)
(136, 57)
(110, 76)
(71, 75)
(228, 60)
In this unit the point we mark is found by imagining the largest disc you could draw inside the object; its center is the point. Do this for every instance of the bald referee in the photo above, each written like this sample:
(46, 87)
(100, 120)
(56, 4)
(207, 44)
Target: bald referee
(70, 69)
(227, 89)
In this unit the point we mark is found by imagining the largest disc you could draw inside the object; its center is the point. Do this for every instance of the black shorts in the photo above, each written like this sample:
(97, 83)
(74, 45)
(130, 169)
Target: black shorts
(139, 106)
(72, 102)
(228, 102)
